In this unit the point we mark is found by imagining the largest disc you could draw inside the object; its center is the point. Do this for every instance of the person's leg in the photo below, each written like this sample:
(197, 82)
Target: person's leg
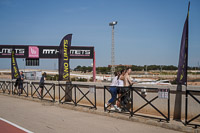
(19, 89)
(14, 91)
(16, 84)
(22, 88)
(41, 93)
(113, 93)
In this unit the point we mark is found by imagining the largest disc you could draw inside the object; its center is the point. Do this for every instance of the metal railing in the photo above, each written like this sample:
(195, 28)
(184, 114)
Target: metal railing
(165, 95)
(37, 92)
(1, 85)
(125, 92)
(24, 89)
(70, 94)
(5, 87)
(8, 87)
(129, 107)
(191, 93)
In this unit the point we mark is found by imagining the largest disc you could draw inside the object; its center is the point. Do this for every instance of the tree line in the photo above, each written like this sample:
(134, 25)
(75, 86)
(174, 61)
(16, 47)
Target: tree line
(107, 70)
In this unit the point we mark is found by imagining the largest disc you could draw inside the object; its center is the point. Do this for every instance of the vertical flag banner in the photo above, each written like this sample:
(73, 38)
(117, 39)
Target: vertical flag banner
(64, 54)
(183, 57)
(14, 67)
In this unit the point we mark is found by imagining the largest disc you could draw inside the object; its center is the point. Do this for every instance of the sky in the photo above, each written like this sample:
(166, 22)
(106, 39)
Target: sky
(148, 31)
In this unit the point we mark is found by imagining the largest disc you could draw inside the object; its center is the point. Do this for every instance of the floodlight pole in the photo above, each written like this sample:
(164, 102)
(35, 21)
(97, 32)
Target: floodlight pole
(113, 50)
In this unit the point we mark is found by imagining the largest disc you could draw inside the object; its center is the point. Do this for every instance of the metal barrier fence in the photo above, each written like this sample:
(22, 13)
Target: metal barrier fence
(1, 85)
(191, 93)
(24, 90)
(5, 87)
(127, 94)
(70, 94)
(45, 93)
(8, 87)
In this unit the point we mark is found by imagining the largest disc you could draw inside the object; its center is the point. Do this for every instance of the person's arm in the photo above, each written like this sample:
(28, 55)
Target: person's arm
(22, 77)
(129, 80)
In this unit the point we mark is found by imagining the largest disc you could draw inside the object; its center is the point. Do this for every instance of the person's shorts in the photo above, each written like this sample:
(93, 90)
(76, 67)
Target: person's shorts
(119, 90)
(41, 86)
(20, 86)
(16, 84)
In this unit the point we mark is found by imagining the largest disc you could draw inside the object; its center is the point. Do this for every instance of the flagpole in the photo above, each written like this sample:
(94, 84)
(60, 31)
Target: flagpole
(188, 38)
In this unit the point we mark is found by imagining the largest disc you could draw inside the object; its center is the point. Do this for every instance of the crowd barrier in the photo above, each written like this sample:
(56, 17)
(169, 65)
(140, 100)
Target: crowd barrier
(48, 92)
(5, 87)
(127, 94)
(9, 88)
(70, 94)
(191, 93)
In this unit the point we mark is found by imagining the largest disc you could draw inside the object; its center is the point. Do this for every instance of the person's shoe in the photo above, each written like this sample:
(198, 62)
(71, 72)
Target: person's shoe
(119, 109)
(106, 105)
(115, 106)
(112, 108)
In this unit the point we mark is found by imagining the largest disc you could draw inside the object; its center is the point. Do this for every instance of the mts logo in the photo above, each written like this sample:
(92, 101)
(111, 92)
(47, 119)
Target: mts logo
(33, 52)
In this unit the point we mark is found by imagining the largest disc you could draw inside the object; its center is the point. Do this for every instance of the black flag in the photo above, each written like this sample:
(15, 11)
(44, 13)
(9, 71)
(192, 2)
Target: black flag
(64, 53)
(14, 67)
(183, 57)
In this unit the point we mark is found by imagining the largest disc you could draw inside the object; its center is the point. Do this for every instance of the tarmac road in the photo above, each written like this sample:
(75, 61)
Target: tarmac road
(39, 117)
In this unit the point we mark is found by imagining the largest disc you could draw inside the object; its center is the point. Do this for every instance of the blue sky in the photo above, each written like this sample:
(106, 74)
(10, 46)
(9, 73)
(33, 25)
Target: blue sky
(148, 31)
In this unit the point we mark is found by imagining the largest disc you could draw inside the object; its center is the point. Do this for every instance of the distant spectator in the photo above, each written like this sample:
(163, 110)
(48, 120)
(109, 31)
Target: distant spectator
(41, 85)
(21, 79)
(16, 85)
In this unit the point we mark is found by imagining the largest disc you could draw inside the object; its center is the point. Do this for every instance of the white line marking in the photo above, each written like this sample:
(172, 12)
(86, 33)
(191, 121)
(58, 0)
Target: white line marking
(15, 125)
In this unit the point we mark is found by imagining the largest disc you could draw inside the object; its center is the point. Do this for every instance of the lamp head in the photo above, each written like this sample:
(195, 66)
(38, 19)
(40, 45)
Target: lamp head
(113, 23)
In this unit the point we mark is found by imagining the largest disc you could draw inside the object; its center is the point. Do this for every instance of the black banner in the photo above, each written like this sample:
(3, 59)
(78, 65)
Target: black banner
(183, 57)
(48, 51)
(77, 52)
(21, 51)
(25, 51)
(14, 67)
(64, 56)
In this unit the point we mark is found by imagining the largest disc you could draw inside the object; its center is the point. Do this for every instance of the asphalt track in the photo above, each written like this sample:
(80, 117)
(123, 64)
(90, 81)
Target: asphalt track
(9, 127)
(40, 117)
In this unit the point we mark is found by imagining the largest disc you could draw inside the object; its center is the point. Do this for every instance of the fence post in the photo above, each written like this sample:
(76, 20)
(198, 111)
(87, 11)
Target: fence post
(27, 88)
(131, 101)
(186, 106)
(168, 105)
(31, 89)
(54, 93)
(75, 94)
(59, 92)
(104, 98)
(95, 98)
(10, 87)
